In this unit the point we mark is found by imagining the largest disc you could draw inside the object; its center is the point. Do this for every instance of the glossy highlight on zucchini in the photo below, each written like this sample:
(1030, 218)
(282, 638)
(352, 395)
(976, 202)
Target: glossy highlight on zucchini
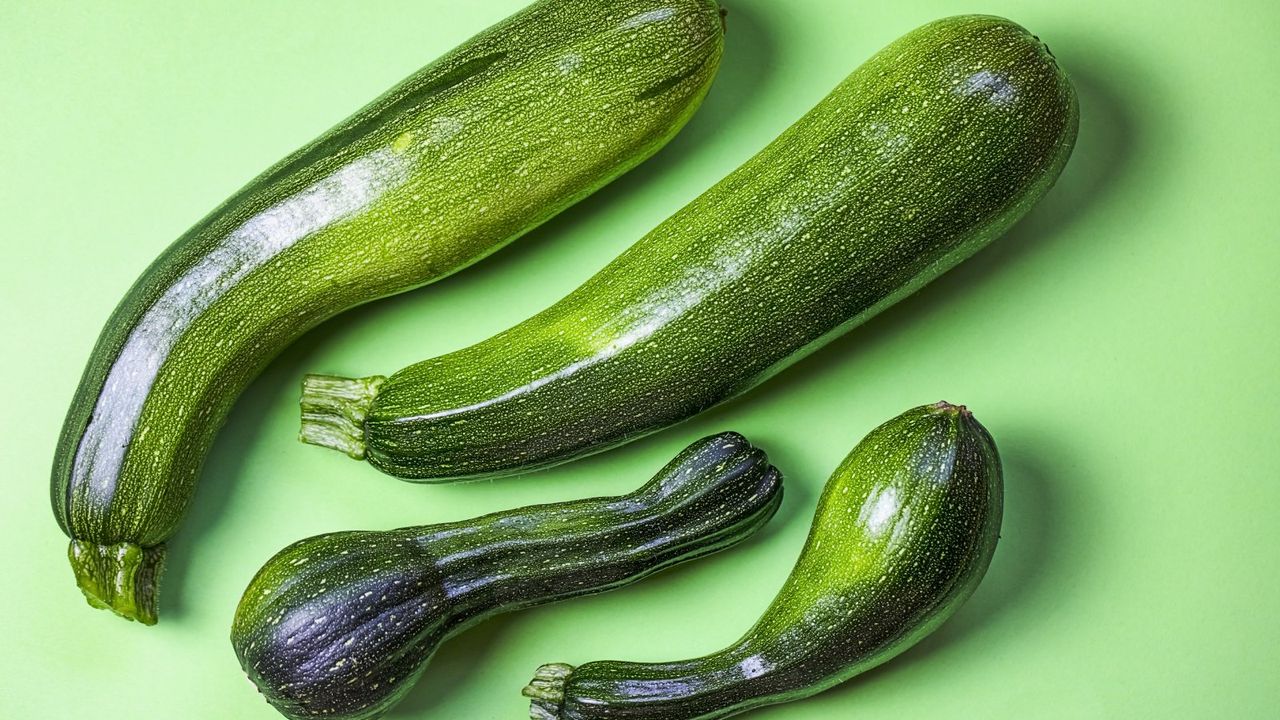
(342, 625)
(464, 156)
(927, 152)
(904, 531)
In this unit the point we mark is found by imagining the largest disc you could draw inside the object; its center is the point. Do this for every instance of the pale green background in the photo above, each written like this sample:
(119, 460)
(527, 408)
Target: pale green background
(1121, 345)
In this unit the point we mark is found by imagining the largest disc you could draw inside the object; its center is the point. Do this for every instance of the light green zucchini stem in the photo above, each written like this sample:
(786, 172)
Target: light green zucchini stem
(333, 411)
(546, 691)
(123, 577)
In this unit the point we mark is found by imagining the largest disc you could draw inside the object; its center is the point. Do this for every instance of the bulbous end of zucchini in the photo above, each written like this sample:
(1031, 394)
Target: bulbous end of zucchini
(333, 411)
(546, 691)
(123, 577)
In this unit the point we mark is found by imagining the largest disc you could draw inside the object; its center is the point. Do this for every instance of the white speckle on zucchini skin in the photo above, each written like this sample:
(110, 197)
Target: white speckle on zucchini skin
(348, 632)
(854, 207)
(875, 576)
(466, 155)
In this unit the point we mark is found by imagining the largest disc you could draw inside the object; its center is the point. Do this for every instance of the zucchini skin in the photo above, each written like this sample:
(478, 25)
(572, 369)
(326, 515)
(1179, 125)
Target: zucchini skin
(464, 156)
(342, 625)
(904, 531)
(928, 151)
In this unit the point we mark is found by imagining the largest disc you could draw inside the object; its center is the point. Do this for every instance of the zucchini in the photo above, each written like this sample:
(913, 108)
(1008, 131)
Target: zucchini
(469, 153)
(932, 148)
(342, 625)
(903, 534)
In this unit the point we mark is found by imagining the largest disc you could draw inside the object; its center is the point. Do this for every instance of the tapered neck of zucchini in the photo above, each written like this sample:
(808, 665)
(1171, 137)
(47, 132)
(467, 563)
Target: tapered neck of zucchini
(718, 685)
(584, 549)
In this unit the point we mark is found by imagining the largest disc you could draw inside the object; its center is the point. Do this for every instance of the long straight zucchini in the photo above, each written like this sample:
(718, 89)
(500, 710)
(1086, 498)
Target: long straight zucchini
(904, 531)
(342, 625)
(924, 154)
(469, 153)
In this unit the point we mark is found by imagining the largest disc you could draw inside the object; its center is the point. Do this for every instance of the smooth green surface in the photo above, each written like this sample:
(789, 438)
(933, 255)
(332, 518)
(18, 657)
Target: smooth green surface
(1120, 344)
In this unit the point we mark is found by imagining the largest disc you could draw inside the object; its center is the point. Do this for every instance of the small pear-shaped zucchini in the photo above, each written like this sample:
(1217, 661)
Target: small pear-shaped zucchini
(904, 531)
(342, 625)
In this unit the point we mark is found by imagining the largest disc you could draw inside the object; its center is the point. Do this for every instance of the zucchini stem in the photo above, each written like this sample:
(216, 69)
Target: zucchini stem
(546, 691)
(333, 411)
(123, 577)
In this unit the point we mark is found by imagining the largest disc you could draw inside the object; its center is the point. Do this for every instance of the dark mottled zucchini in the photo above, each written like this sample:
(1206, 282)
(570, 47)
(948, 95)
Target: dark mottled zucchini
(904, 532)
(922, 156)
(342, 625)
(467, 154)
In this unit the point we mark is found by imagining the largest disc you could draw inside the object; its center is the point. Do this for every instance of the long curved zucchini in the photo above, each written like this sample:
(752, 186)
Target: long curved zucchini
(472, 151)
(904, 532)
(342, 625)
(924, 154)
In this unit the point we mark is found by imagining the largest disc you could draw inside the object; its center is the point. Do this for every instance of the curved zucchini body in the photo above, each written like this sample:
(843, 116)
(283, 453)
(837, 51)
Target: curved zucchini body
(342, 625)
(903, 534)
(924, 154)
(469, 153)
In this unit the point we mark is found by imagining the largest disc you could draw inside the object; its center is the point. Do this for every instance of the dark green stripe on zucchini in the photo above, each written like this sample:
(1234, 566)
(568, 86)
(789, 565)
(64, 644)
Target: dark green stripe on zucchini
(904, 531)
(342, 625)
(464, 156)
(927, 152)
